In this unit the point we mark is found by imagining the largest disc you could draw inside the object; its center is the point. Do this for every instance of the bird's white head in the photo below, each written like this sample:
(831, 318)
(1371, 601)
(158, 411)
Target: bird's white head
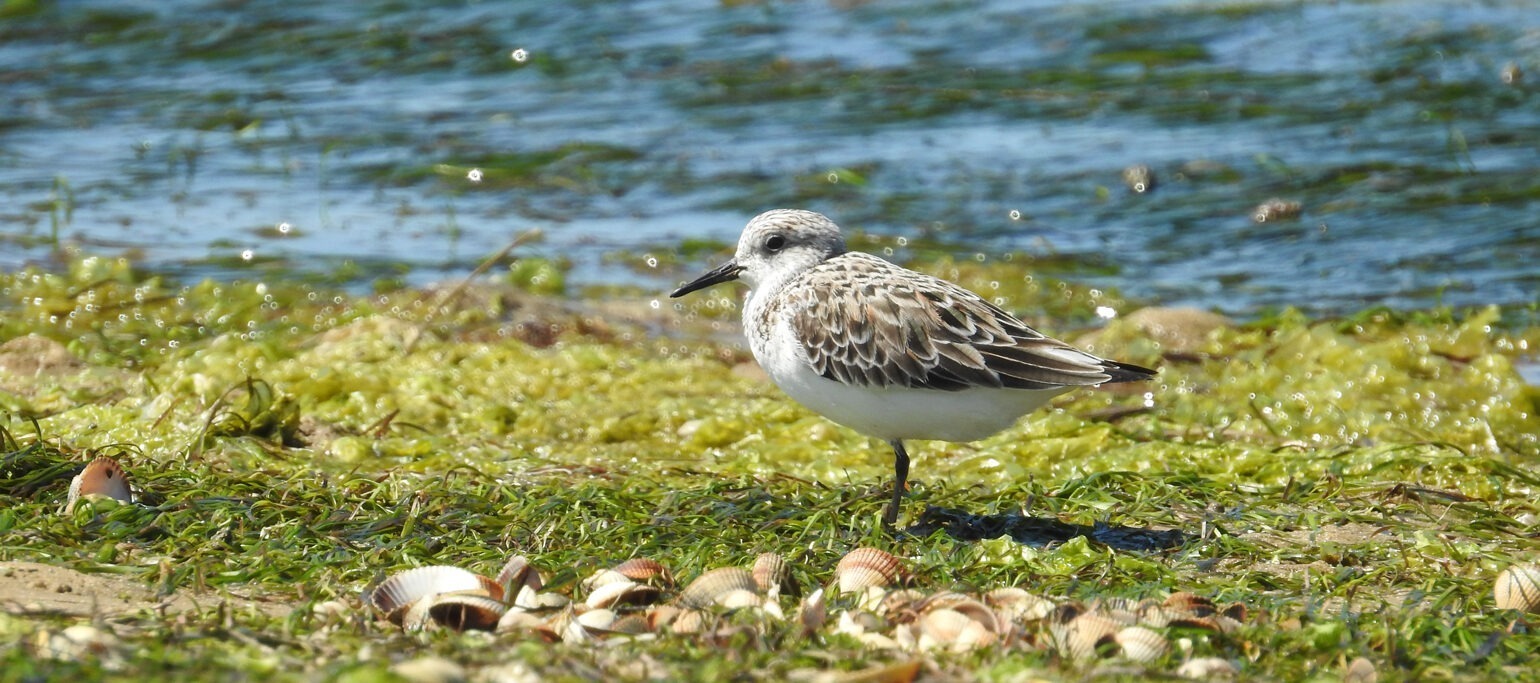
(775, 247)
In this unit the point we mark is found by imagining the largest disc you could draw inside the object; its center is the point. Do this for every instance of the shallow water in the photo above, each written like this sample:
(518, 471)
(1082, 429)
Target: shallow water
(232, 137)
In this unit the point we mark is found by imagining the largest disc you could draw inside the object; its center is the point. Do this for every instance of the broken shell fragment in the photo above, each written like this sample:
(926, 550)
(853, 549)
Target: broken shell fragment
(813, 612)
(1518, 588)
(708, 589)
(866, 567)
(101, 478)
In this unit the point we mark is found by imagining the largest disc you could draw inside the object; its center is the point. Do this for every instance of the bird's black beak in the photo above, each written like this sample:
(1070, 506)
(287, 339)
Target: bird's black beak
(726, 272)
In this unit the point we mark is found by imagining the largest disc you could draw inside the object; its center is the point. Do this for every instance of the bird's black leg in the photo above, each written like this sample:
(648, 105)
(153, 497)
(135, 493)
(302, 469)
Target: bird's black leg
(900, 477)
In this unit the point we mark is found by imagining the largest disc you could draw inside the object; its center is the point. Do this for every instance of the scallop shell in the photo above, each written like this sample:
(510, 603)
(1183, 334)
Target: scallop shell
(772, 573)
(645, 570)
(1518, 588)
(706, 589)
(1017, 605)
(864, 567)
(625, 592)
(605, 577)
(895, 604)
(688, 621)
(964, 605)
(400, 591)
(953, 630)
(631, 624)
(531, 600)
(1085, 635)
(1141, 644)
(462, 612)
(597, 619)
(1195, 605)
(102, 477)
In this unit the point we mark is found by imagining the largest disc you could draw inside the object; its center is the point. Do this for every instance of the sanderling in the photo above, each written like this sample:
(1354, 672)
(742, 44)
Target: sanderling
(889, 352)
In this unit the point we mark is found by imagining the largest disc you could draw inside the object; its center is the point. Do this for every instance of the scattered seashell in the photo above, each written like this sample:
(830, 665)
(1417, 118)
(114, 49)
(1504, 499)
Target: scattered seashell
(857, 622)
(400, 591)
(1085, 636)
(531, 600)
(625, 592)
(463, 612)
(705, 589)
(645, 570)
(660, 616)
(101, 478)
(1015, 604)
(865, 567)
(1275, 209)
(416, 617)
(813, 612)
(597, 618)
(1360, 670)
(331, 609)
(1139, 178)
(1065, 613)
(950, 629)
(688, 621)
(605, 577)
(1207, 668)
(772, 573)
(1190, 603)
(631, 624)
(895, 604)
(517, 578)
(1141, 644)
(1518, 588)
(964, 605)
(518, 621)
(738, 598)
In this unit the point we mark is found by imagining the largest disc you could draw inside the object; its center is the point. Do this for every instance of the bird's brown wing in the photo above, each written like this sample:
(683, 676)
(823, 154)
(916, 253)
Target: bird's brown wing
(866, 322)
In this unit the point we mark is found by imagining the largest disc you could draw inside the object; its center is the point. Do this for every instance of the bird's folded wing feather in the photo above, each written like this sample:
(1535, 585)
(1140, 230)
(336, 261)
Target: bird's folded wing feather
(884, 328)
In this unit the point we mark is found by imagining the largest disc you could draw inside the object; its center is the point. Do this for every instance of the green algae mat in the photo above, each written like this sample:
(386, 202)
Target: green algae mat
(1325, 498)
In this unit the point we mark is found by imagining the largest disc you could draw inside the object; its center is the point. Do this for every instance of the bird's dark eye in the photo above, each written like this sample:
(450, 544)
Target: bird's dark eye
(775, 242)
